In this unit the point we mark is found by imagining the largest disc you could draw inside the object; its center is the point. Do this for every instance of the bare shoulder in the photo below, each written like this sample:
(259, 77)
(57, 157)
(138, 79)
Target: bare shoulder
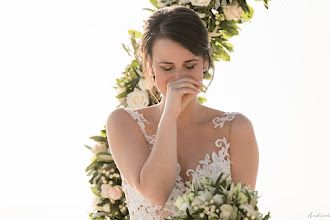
(244, 151)
(241, 123)
(127, 145)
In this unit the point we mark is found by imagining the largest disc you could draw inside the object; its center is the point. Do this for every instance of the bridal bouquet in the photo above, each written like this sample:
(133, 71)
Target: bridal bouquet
(220, 199)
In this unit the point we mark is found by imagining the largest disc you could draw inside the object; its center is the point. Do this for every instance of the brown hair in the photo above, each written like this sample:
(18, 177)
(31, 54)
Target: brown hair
(179, 24)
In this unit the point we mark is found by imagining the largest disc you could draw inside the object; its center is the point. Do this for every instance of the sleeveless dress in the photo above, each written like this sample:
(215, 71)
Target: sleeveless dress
(141, 209)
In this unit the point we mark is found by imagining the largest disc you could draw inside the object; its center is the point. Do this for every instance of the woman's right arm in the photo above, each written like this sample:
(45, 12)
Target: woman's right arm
(152, 174)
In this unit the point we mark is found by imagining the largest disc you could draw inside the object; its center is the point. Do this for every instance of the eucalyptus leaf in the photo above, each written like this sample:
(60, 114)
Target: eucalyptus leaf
(154, 3)
(98, 138)
(88, 147)
(135, 33)
(148, 9)
(126, 49)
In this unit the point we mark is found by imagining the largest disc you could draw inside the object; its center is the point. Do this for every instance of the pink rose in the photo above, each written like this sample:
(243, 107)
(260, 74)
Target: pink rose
(99, 147)
(111, 192)
(233, 10)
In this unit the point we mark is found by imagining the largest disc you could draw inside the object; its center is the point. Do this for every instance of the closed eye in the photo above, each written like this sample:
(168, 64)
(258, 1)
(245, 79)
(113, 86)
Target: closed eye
(188, 67)
(167, 69)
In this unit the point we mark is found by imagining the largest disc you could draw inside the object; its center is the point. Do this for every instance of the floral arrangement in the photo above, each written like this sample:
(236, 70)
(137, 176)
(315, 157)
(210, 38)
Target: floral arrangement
(220, 17)
(215, 199)
(109, 199)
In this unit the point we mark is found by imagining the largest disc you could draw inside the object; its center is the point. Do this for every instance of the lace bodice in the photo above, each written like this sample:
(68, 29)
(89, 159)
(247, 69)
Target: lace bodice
(141, 209)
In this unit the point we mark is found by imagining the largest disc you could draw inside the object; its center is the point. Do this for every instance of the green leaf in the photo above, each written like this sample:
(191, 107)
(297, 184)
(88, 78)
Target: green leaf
(247, 13)
(88, 147)
(91, 172)
(98, 214)
(104, 156)
(154, 3)
(201, 99)
(227, 45)
(135, 33)
(94, 190)
(91, 166)
(253, 202)
(223, 55)
(103, 133)
(126, 49)
(98, 138)
(148, 9)
(266, 4)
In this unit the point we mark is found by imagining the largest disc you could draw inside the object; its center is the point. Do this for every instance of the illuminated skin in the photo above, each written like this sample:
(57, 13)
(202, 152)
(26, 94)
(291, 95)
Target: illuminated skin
(171, 65)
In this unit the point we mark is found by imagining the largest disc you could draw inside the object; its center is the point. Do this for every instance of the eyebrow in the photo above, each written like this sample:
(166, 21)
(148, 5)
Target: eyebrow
(187, 61)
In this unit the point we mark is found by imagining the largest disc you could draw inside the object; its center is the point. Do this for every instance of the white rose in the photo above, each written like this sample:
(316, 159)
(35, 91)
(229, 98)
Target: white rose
(106, 207)
(233, 10)
(250, 210)
(206, 196)
(99, 147)
(111, 192)
(200, 2)
(225, 211)
(96, 200)
(218, 199)
(143, 84)
(179, 202)
(197, 201)
(121, 90)
(137, 99)
(184, 207)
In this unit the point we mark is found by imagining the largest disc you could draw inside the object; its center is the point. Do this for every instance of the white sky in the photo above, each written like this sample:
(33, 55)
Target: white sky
(58, 64)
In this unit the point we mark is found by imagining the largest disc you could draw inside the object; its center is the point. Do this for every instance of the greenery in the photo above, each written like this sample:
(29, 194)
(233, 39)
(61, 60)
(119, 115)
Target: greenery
(222, 19)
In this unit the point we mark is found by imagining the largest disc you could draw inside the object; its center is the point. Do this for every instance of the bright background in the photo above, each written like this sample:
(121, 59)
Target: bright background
(59, 61)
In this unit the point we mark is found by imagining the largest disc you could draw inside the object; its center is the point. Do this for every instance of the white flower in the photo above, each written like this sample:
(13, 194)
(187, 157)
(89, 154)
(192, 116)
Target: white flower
(184, 207)
(179, 202)
(137, 99)
(99, 147)
(206, 196)
(198, 201)
(111, 192)
(106, 207)
(225, 211)
(96, 200)
(250, 210)
(143, 84)
(200, 2)
(218, 199)
(233, 10)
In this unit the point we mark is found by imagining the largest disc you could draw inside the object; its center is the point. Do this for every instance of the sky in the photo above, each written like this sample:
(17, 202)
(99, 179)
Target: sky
(58, 65)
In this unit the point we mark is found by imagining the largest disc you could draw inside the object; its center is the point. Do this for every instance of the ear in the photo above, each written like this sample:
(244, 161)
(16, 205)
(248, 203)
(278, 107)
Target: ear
(204, 65)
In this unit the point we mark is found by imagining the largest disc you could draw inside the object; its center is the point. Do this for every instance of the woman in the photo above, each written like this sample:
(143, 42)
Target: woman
(158, 149)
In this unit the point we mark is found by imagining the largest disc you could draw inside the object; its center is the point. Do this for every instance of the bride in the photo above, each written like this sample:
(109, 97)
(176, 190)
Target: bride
(158, 149)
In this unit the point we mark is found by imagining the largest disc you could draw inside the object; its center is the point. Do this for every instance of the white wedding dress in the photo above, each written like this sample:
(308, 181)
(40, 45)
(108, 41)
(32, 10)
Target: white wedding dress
(141, 209)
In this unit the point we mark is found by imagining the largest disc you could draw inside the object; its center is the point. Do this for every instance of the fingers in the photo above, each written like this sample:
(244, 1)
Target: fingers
(189, 83)
(189, 80)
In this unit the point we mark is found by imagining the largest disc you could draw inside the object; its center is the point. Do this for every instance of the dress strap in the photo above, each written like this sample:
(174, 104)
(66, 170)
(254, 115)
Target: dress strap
(220, 121)
(140, 121)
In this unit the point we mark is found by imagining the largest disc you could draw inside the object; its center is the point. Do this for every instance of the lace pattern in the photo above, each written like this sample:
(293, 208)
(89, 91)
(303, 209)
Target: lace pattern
(140, 119)
(141, 209)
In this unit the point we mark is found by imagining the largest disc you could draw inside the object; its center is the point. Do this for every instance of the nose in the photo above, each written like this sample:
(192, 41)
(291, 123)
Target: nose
(180, 73)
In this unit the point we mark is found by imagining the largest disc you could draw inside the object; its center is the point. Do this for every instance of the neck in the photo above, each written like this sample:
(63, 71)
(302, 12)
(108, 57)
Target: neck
(189, 115)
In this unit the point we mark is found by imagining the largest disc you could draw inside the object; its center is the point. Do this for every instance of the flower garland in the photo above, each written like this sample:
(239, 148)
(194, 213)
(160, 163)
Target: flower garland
(220, 17)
